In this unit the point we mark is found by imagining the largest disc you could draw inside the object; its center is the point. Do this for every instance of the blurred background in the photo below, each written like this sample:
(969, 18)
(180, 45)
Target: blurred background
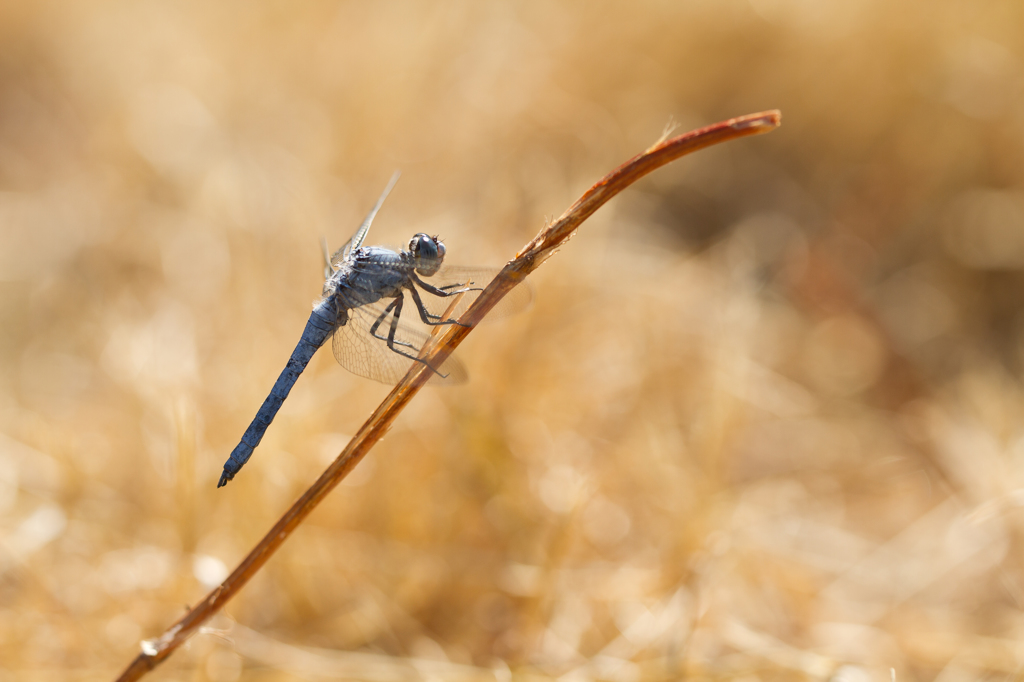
(763, 420)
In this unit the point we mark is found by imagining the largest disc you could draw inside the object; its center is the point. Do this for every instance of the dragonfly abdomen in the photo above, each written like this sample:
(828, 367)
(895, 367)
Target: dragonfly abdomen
(318, 329)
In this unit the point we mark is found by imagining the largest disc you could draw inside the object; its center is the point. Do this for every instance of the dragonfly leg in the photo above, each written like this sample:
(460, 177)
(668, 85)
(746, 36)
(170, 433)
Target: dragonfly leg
(396, 306)
(425, 315)
(443, 291)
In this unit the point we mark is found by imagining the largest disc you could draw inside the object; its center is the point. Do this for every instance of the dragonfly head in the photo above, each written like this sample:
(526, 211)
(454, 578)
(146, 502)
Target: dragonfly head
(427, 253)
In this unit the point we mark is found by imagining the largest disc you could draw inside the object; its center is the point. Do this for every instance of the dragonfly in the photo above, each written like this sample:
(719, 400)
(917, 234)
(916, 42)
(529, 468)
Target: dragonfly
(364, 296)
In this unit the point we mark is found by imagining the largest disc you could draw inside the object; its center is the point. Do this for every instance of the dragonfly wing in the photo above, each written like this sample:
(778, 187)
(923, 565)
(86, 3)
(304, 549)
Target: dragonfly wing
(357, 239)
(515, 301)
(358, 351)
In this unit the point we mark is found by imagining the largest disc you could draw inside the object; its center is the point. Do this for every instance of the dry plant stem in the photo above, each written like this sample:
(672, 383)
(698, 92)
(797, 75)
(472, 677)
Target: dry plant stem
(525, 262)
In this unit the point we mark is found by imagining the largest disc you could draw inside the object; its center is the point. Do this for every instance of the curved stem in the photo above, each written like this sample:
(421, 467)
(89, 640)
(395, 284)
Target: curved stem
(526, 261)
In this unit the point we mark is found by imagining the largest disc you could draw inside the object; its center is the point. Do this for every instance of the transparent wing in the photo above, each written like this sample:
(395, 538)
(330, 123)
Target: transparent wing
(515, 301)
(357, 239)
(361, 353)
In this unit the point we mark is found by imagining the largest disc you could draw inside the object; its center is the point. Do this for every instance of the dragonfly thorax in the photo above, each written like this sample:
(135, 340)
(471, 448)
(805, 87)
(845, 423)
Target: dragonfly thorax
(426, 253)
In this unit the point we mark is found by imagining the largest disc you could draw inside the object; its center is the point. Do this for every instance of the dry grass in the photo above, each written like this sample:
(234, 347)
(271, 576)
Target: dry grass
(763, 421)
(442, 343)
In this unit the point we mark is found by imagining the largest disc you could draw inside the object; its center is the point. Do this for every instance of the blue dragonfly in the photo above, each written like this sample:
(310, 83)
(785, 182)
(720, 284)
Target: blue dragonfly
(364, 296)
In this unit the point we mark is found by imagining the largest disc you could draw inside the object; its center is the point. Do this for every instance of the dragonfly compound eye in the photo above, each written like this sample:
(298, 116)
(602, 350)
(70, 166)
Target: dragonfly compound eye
(421, 245)
(428, 253)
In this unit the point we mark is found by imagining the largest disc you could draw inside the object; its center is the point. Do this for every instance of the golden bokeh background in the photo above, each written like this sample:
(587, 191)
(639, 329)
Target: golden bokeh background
(763, 421)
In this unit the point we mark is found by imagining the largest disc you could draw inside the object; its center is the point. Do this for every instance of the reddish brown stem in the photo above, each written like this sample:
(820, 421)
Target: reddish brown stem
(525, 262)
